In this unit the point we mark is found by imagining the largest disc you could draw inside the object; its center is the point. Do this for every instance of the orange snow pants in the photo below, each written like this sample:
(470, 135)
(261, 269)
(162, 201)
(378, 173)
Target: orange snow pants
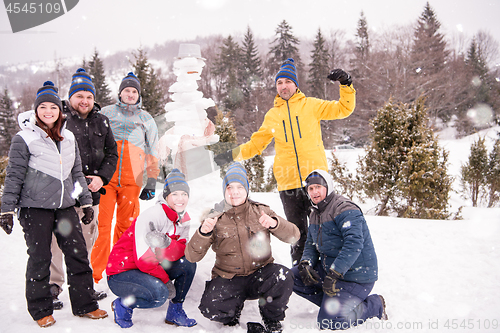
(126, 198)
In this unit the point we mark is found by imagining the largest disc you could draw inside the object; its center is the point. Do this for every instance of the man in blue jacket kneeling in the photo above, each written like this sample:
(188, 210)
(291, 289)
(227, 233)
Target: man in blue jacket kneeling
(338, 268)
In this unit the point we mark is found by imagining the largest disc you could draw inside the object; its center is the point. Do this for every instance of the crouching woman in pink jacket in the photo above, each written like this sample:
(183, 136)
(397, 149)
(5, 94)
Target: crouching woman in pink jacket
(150, 254)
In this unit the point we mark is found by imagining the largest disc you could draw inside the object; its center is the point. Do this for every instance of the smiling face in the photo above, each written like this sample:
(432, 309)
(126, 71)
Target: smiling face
(178, 200)
(48, 113)
(82, 102)
(235, 194)
(129, 95)
(317, 193)
(285, 87)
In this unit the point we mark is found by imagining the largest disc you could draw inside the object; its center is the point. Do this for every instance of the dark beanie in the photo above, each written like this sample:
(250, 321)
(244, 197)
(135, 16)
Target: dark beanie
(130, 81)
(235, 173)
(81, 81)
(48, 93)
(287, 70)
(175, 182)
(315, 178)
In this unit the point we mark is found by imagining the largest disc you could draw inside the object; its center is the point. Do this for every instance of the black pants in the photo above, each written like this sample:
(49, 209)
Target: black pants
(272, 285)
(38, 225)
(296, 205)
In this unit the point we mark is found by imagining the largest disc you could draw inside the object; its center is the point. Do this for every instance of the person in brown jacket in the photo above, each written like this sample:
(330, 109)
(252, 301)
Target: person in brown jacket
(238, 230)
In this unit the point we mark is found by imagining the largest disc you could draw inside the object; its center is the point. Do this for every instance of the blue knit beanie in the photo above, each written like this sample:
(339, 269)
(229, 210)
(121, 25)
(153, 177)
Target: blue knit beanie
(48, 93)
(175, 181)
(130, 81)
(81, 81)
(235, 173)
(288, 70)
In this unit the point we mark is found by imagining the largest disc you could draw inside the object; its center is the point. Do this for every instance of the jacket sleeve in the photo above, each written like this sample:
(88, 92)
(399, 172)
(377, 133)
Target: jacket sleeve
(85, 197)
(152, 168)
(19, 157)
(340, 109)
(285, 231)
(198, 246)
(350, 224)
(257, 143)
(108, 165)
(310, 252)
(145, 257)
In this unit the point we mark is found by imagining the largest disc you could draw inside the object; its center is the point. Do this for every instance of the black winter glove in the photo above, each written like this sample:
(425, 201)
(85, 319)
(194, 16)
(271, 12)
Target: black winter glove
(330, 281)
(148, 192)
(88, 215)
(339, 75)
(308, 275)
(7, 222)
(156, 239)
(224, 158)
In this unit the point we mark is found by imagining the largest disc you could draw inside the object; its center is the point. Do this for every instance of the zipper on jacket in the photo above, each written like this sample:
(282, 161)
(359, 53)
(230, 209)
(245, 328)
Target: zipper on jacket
(120, 167)
(294, 146)
(284, 129)
(298, 126)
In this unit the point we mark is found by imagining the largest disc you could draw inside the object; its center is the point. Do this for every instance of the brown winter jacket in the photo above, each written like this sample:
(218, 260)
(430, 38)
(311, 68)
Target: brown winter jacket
(241, 244)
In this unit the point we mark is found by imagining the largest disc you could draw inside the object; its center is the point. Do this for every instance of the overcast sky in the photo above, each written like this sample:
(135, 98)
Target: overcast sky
(112, 26)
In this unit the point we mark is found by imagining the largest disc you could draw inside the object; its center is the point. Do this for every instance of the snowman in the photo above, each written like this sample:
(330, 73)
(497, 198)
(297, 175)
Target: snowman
(186, 141)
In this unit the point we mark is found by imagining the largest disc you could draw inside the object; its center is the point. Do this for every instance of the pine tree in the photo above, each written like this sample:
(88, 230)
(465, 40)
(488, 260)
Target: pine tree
(224, 128)
(271, 183)
(153, 90)
(318, 68)
(430, 75)
(404, 166)
(424, 183)
(474, 172)
(284, 46)
(8, 122)
(363, 42)
(228, 68)
(344, 182)
(493, 175)
(96, 71)
(251, 74)
(255, 173)
(4, 160)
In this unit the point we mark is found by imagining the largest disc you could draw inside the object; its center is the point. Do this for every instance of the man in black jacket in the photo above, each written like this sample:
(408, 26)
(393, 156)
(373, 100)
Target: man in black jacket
(99, 157)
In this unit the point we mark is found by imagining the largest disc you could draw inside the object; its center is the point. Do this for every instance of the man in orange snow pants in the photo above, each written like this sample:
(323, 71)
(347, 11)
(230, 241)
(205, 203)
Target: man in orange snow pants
(136, 136)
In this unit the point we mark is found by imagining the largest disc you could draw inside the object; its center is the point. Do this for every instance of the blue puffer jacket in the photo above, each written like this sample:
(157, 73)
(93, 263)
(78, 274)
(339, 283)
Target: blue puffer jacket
(339, 236)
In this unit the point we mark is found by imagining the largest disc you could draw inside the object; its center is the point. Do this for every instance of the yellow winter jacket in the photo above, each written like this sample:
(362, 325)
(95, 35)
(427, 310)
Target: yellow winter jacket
(296, 129)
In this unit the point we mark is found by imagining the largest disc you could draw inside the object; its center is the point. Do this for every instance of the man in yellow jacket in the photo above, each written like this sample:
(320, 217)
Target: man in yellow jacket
(295, 124)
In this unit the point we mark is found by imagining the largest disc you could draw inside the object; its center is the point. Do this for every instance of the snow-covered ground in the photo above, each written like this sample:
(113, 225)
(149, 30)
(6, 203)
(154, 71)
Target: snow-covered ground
(436, 276)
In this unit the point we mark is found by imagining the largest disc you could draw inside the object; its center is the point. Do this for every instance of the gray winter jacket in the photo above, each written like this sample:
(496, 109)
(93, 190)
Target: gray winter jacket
(40, 175)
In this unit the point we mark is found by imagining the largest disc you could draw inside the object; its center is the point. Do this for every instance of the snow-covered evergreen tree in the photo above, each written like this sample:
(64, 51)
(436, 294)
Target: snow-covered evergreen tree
(493, 175)
(96, 71)
(224, 128)
(255, 172)
(154, 92)
(8, 122)
(474, 172)
(404, 166)
(344, 182)
(318, 67)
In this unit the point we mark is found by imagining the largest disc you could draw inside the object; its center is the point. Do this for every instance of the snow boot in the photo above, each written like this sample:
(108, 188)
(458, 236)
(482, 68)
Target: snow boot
(383, 315)
(177, 316)
(46, 321)
(99, 295)
(123, 314)
(255, 328)
(55, 290)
